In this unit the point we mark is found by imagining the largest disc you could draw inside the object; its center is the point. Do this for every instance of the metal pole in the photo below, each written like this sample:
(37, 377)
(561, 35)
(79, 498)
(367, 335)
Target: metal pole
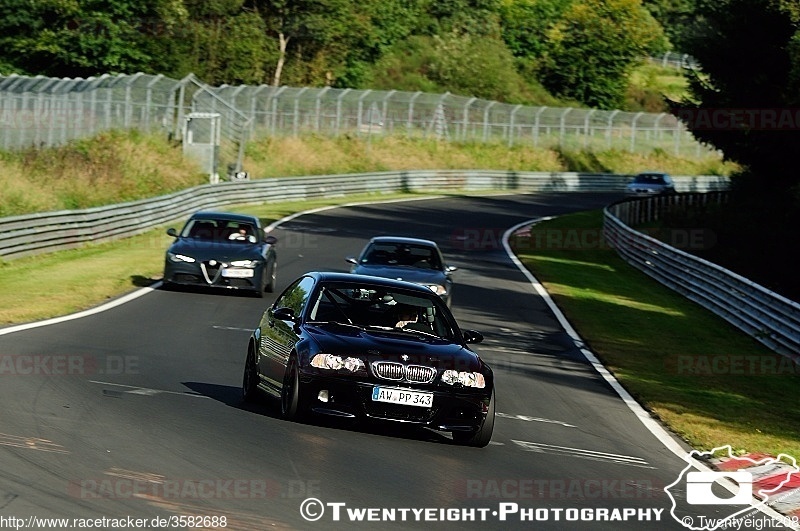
(609, 131)
(586, 127)
(486, 120)
(410, 122)
(339, 110)
(149, 100)
(536, 126)
(563, 127)
(633, 131)
(511, 126)
(297, 109)
(318, 109)
(464, 126)
(274, 118)
(359, 120)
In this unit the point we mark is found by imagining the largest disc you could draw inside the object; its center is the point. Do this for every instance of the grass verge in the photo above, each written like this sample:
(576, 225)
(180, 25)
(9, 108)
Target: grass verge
(117, 166)
(706, 380)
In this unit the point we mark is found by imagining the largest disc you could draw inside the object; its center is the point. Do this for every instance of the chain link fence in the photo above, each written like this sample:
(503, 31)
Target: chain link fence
(46, 112)
(675, 60)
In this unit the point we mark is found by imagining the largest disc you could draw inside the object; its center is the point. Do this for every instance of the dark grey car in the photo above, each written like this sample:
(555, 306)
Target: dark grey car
(409, 259)
(222, 250)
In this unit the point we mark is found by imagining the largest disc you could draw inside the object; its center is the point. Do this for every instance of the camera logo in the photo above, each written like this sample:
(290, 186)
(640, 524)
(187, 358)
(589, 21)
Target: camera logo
(716, 499)
(698, 488)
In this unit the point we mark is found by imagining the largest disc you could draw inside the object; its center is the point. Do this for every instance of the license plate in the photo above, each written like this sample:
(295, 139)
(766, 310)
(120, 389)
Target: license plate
(404, 397)
(237, 273)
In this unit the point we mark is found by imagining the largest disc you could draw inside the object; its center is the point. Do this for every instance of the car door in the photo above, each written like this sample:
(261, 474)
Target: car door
(278, 336)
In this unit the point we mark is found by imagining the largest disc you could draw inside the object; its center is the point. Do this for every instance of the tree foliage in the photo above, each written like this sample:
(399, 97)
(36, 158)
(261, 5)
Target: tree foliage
(81, 38)
(503, 49)
(592, 49)
(746, 96)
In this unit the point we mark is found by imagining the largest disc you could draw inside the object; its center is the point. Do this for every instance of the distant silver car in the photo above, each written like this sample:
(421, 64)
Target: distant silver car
(650, 183)
(410, 259)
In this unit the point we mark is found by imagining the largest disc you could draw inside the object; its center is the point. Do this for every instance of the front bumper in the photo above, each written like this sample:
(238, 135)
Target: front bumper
(452, 410)
(200, 274)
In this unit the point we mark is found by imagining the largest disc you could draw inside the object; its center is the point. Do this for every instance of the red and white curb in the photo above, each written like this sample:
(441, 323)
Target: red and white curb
(775, 475)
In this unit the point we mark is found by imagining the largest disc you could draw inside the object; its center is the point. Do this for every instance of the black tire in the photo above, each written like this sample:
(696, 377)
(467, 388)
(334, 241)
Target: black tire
(250, 378)
(480, 438)
(272, 281)
(262, 284)
(292, 402)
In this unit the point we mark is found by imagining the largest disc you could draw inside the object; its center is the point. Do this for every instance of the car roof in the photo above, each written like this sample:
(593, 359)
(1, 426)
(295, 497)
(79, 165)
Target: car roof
(403, 239)
(329, 276)
(227, 216)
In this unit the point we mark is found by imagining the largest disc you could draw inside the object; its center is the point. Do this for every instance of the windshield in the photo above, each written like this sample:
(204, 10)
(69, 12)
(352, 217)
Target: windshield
(402, 254)
(376, 308)
(220, 230)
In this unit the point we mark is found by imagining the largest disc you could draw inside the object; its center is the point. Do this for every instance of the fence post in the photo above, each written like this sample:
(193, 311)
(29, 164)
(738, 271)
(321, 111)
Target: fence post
(563, 127)
(536, 126)
(511, 126)
(633, 131)
(486, 121)
(465, 124)
(410, 122)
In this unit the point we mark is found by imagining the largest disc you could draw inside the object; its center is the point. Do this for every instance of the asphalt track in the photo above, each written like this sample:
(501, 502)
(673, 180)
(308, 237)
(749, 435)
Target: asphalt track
(136, 411)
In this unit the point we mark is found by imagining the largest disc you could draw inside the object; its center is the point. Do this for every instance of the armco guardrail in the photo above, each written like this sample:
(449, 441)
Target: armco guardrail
(768, 317)
(53, 231)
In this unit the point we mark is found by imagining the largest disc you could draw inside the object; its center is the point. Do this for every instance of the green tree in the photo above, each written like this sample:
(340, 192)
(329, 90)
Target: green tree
(83, 38)
(749, 51)
(679, 19)
(224, 43)
(593, 48)
(312, 38)
(525, 24)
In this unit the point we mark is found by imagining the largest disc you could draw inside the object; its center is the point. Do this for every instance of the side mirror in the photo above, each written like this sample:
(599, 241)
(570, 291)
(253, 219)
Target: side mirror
(450, 269)
(172, 232)
(351, 260)
(472, 336)
(272, 240)
(284, 314)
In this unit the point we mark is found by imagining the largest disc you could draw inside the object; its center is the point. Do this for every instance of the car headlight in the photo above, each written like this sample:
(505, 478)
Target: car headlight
(333, 362)
(437, 289)
(467, 379)
(244, 263)
(180, 258)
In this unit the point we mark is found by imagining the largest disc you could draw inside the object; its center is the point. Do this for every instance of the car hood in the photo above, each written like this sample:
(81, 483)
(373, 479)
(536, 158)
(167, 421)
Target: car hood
(377, 345)
(409, 274)
(222, 251)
